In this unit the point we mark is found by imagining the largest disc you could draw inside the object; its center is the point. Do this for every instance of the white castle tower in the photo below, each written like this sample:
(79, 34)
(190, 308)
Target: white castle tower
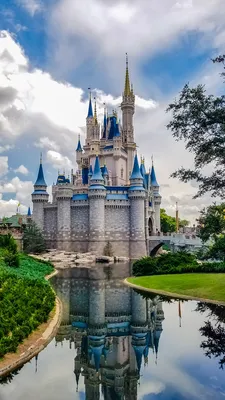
(110, 198)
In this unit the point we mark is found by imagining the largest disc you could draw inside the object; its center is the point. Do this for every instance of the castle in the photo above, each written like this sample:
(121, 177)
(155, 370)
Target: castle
(115, 331)
(110, 199)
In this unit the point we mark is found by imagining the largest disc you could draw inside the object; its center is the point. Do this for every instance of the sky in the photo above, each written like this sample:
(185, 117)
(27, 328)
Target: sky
(50, 53)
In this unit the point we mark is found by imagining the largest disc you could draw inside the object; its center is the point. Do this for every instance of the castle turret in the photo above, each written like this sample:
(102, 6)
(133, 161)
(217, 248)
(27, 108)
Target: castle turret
(29, 216)
(63, 197)
(79, 152)
(137, 195)
(128, 108)
(97, 195)
(156, 198)
(39, 197)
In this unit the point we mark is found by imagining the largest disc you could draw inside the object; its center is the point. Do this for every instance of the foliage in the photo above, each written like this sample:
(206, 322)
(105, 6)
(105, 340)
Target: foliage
(205, 286)
(165, 264)
(217, 250)
(24, 304)
(9, 250)
(33, 240)
(214, 332)
(108, 251)
(199, 120)
(212, 221)
(30, 268)
(168, 223)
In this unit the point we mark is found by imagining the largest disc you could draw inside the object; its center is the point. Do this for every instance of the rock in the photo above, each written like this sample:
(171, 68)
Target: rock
(104, 259)
(84, 261)
(67, 254)
(123, 259)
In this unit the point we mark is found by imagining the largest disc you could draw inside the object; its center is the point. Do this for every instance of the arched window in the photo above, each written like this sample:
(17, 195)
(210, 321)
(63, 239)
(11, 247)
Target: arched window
(122, 172)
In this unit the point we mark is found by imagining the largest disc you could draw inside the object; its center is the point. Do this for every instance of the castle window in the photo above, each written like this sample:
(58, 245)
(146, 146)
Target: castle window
(122, 172)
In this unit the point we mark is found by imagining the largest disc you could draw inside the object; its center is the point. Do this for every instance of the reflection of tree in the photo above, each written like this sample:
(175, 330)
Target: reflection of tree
(214, 331)
(10, 376)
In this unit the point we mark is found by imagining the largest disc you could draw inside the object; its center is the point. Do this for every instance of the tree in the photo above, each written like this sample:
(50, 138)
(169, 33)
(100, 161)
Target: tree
(212, 221)
(168, 223)
(33, 240)
(217, 250)
(199, 120)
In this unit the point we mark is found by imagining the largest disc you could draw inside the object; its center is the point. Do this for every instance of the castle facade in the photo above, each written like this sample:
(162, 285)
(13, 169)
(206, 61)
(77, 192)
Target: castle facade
(111, 198)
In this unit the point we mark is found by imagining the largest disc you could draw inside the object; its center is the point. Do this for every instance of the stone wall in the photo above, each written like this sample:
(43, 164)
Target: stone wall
(80, 226)
(117, 227)
(50, 226)
(137, 228)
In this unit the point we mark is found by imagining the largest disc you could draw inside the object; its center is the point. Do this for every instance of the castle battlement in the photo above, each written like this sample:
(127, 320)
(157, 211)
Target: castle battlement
(110, 198)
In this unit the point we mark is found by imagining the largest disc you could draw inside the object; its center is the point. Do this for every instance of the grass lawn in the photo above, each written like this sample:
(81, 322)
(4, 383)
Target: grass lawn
(206, 286)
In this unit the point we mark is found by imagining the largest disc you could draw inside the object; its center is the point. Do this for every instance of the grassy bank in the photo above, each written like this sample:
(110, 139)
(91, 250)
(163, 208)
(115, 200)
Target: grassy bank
(26, 299)
(206, 286)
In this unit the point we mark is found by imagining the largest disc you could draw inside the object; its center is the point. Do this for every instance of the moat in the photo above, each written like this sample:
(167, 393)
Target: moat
(116, 343)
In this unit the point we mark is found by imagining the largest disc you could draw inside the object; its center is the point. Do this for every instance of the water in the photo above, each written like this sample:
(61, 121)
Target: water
(175, 365)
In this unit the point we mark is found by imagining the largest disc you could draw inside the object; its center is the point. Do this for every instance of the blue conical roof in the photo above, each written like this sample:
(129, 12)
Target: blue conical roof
(79, 147)
(40, 178)
(139, 350)
(97, 351)
(105, 172)
(97, 175)
(29, 212)
(90, 109)
(90, 173)
(153, 177)
(142, 169)
(117, 131)
(136, 174)
(104, 126)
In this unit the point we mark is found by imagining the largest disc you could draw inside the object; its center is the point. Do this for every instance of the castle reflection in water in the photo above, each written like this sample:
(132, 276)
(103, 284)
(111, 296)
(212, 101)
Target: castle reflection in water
(112, 327)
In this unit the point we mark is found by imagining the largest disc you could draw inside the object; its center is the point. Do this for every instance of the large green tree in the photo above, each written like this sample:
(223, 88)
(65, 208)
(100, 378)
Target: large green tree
(168, 223)
(199, 119)
(212, 222)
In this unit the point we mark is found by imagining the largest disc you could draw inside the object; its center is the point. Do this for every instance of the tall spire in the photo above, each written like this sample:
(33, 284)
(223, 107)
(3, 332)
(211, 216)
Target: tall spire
(90, 110)
(127, 90)
(136, 174)
(40, 178)
(153, 176)
(79, 147)
(95, 114)
(97, 174)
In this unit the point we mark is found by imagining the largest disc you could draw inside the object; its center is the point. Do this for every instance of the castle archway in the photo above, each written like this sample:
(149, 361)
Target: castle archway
(150, 227)
(156, 248)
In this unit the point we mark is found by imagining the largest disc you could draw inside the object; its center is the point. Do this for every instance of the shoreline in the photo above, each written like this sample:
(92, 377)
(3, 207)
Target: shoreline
(36, 341)
(170, 294)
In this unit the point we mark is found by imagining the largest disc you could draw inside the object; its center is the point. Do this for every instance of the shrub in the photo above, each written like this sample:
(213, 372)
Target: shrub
(11, 259)
(173, 263)
(108, 250)
(33, 240)
(24, 304)
(10, 253)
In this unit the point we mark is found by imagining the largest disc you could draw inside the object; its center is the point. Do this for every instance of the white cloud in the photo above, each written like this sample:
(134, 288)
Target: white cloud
(140, 28)
(3, 165)
(51, 114)
(5, 148)
(46, 143)
(58, 161)
(8, 208)
(31, 6)
(22, 170)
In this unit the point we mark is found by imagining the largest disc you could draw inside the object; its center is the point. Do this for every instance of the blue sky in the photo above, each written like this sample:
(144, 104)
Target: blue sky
(57, 49)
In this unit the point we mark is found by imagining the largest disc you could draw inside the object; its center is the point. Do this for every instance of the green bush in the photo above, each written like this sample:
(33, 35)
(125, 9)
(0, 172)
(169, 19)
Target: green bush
(10, 253)
(24, 304)
(11, 259)
(33, 240)
(174, 263)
